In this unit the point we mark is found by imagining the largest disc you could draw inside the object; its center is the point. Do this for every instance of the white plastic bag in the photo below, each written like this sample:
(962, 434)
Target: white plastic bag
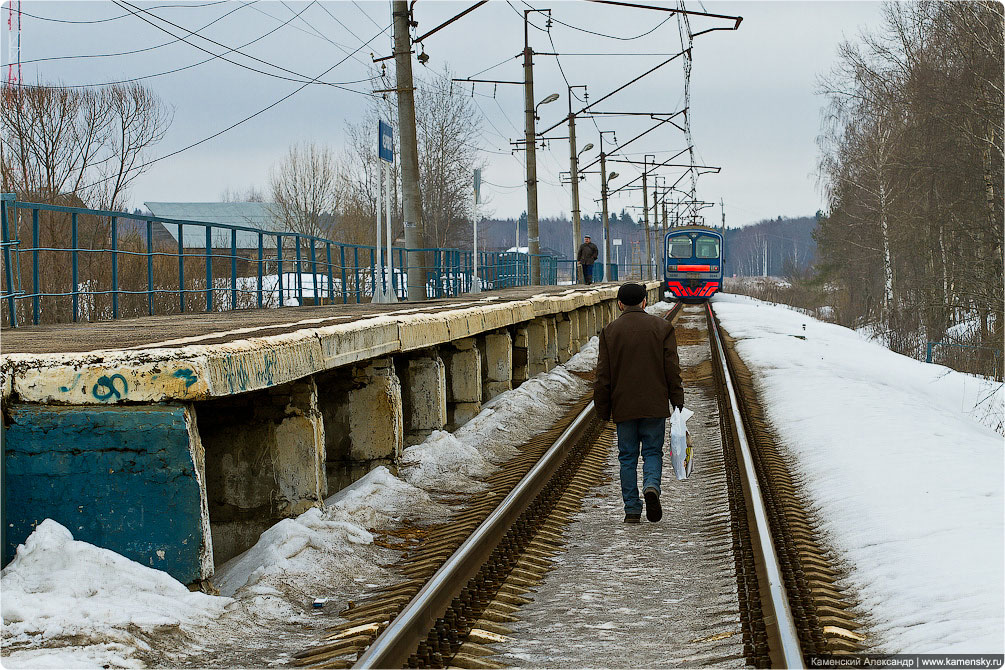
(681, 453)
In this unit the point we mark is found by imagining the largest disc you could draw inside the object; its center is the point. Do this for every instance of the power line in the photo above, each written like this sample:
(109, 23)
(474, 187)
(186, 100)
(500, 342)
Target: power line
(245, 119)
(612, 37)
(130, 7)
(121, 16)
(202, 62)
(136, 51)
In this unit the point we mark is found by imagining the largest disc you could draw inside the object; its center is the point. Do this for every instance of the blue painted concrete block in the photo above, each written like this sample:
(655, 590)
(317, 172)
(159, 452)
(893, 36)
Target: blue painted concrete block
(124, 478)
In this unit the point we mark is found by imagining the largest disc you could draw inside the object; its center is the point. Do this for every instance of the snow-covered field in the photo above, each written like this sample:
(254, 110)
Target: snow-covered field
(69, 604)
(905, 481)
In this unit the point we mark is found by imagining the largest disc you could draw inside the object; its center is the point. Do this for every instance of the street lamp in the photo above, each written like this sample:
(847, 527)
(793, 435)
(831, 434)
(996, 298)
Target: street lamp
(585, 149)
(551, 98)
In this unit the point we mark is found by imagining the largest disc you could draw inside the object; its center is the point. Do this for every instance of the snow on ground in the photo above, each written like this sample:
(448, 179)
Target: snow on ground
(906, 484)
(59, 588)
(69, 604)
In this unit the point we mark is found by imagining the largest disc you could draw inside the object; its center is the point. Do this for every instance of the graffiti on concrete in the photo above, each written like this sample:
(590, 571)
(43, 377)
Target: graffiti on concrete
(187, 375)
(107, 387)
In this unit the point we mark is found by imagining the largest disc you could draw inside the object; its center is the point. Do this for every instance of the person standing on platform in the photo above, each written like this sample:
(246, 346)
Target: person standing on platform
(638, 379)
(586, 257)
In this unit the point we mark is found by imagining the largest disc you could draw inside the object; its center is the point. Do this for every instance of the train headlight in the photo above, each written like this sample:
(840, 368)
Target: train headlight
(715, 268)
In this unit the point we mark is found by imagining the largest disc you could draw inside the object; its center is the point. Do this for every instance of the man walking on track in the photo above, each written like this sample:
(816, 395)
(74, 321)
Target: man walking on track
(587, 256)
(638, 379)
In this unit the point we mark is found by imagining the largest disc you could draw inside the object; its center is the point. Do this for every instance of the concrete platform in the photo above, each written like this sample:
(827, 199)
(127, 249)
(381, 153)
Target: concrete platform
(198, 356)
(176, 441)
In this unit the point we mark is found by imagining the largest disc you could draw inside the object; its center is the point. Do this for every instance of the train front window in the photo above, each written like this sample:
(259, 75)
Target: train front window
(680, 247)
(706, 247)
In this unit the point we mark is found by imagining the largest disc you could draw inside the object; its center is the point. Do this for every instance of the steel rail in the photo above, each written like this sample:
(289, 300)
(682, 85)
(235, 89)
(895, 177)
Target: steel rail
(788, 639)
(400, 639)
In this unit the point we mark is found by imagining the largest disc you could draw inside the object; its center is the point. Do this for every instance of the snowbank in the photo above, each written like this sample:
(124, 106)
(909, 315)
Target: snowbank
(907, 485)
(58, 587)
(322, 546)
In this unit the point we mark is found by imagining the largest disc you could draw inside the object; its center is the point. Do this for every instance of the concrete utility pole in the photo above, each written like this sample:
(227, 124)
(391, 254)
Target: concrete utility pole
(574, 174)
(603, 197)
(533, 235)
(645, 218)
(411, 197)
(664, 217)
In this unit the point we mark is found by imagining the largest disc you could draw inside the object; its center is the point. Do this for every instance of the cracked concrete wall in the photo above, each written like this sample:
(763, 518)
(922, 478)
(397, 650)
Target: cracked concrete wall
(425, 396)
(265, 456)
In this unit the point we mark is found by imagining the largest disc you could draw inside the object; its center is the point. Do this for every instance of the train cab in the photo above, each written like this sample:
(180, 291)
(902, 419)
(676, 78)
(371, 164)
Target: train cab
(692, 267)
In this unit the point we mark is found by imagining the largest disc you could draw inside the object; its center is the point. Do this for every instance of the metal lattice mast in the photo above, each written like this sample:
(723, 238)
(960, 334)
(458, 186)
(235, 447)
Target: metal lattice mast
(686, 40)
(13, 42)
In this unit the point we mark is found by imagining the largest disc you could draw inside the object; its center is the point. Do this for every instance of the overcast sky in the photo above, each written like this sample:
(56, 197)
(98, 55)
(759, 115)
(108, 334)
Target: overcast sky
(754, 111)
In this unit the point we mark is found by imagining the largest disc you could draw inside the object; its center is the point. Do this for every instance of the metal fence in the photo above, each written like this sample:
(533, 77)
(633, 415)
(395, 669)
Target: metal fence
(70, 264)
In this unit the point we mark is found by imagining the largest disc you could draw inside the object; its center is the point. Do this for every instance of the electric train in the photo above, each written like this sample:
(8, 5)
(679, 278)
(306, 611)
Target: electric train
(692, 268)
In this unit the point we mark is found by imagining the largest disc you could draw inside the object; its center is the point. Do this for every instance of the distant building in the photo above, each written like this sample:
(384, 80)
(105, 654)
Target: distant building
(252, 215)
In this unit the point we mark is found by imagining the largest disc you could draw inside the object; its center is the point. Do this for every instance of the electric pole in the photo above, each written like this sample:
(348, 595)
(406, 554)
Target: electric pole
(533, 235)
(574, 173)
(411, 197)
(603, 197)
(645, 215)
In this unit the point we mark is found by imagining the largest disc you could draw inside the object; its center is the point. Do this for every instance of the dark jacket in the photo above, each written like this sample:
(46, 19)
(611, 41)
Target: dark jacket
(638, 371)
(587, 254)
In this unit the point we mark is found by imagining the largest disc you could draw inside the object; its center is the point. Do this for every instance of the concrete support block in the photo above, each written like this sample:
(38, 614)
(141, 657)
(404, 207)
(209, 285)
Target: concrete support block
(591, 320)
(564, 330)
(464, 372)
(521, 357)
(537, 346)
(582, 317)
(131, 479)
(265, 460)
(497, 364)
(464, 381)
(350, 402)
(575, 339)
(551, 356)
(462, 412)
(425, 397)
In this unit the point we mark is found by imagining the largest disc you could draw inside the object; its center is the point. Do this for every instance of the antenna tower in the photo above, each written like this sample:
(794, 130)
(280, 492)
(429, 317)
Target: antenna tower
(13, 43)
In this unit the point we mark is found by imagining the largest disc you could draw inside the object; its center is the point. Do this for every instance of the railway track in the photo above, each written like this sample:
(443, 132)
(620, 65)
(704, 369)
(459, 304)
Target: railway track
(466, 579)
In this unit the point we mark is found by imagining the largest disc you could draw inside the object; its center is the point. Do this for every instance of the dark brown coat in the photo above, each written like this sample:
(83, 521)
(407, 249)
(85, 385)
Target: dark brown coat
(638, 371)
(587, 254)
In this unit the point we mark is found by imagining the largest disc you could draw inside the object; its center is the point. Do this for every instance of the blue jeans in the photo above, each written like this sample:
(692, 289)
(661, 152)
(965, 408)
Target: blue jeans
(588, 272)
(650, 434)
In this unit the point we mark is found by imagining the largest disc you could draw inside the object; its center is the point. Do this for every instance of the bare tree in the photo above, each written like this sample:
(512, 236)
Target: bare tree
(304, 189)
(89, 144)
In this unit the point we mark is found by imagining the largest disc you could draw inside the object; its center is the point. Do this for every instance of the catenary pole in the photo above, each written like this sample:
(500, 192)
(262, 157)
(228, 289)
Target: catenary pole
(645, 217)
(603, 198)
(533, 240)
(574, 172)
(411, 197)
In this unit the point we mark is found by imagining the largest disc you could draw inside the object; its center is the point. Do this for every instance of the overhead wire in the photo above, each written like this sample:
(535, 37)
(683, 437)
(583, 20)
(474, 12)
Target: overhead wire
(116, 18)
(213, 57)
(244, 120)
(129, 7)
(144, 49)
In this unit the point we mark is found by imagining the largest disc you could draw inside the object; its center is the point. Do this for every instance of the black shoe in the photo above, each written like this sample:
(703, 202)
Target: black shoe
(633, 517)
(654, 511)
